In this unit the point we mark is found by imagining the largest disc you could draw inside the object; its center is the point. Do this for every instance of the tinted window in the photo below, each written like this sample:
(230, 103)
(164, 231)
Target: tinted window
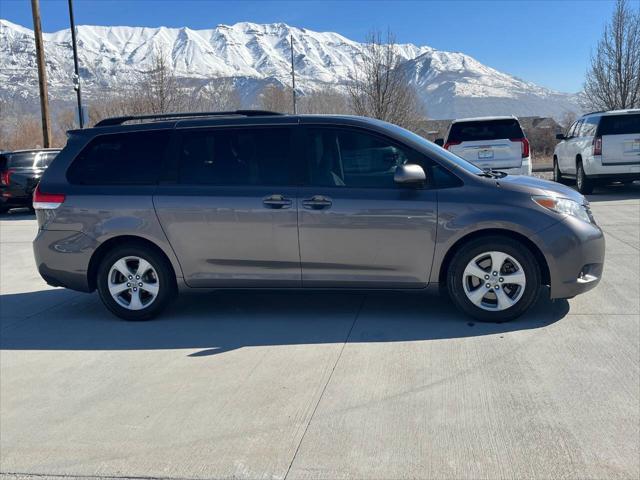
(620, 124)
(250, 156)
(121, 159)
(484, 130)
(572, 130)
(352, 158)
(30, 159)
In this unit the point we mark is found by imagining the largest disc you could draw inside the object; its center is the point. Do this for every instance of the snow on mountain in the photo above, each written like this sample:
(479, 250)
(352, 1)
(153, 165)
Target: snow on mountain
(451, 84)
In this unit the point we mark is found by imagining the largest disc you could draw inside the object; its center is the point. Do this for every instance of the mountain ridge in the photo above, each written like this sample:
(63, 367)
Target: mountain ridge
(452, 84)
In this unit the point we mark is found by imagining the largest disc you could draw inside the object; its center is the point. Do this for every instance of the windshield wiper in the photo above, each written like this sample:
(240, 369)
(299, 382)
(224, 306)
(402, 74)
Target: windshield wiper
(488, 172)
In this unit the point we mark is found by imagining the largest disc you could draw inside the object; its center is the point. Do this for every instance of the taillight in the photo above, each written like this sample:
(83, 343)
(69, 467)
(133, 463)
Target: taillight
(448, 144)
(5, 177)
(597, 145)
(47, 201)
(524, 145)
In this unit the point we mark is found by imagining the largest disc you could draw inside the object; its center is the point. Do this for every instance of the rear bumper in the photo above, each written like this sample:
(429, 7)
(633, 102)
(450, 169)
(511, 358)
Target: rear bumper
(62, 258)
(612, 169)
(524, 169)
(575, 256)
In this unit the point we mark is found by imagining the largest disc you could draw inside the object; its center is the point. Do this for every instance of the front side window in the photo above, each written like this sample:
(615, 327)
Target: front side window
(133, 158)
(227, 156)
(353, 158)
(577, 131)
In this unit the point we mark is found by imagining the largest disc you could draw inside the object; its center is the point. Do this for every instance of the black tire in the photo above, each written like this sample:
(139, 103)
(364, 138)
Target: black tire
(557, 174)
(583, 183)
(165, 277)
(513, 248)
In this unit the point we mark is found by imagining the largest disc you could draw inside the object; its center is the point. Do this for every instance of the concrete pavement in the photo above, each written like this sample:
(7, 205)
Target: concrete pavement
(322, 385)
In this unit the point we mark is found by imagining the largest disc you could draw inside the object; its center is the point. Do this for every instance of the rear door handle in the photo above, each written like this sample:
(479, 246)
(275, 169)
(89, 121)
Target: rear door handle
(277, 201)
(317, 202)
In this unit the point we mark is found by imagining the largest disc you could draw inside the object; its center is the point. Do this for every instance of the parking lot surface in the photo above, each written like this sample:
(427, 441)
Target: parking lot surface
(322, 385)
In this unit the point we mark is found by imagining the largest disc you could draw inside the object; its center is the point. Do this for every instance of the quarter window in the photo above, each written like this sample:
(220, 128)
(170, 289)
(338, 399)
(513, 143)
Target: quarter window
(253, 156)
(133, 158)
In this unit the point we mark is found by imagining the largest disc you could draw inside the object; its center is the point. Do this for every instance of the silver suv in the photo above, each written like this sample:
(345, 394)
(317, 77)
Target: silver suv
(599, 147)
(252, 199)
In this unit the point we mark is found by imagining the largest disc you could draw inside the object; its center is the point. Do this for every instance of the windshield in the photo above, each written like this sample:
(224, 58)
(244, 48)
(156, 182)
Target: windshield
(413, 137)
(31, 159)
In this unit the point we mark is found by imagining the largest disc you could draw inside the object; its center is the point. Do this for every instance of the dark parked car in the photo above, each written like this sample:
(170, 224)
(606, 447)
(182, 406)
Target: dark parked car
(20, 172)
(261, 200)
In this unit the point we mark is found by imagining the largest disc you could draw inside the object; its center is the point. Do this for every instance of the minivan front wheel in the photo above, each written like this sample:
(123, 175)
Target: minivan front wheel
(494, 279)
(134, 283)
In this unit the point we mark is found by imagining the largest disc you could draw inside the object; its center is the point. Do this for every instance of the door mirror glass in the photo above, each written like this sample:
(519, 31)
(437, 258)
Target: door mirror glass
(439, 142)
(409, 174)
(560, 136)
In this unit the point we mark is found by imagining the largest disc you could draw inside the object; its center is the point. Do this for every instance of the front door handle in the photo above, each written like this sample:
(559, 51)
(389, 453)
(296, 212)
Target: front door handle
(277, 201)
(317, 202)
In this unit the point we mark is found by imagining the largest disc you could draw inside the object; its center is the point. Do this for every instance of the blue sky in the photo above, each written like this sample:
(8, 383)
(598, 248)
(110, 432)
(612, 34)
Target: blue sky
(544, 41)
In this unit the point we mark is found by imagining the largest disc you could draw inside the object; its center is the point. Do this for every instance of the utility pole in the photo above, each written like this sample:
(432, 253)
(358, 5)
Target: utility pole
(293, 79)
(42, 74)
(76, 75)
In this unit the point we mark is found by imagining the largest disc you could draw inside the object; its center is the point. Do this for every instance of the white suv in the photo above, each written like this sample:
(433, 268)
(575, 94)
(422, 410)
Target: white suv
(496, 143)
(599, 147)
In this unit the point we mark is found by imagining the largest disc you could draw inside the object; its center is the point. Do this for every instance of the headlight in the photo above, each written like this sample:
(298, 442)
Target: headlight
(564, 206)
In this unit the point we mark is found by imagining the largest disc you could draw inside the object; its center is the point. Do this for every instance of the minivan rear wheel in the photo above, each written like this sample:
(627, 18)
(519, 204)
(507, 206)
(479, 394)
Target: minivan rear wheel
(135, 283)
(494, 279)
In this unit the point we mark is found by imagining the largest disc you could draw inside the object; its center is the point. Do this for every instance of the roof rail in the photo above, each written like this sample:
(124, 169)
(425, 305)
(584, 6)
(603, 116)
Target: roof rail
(109, 122)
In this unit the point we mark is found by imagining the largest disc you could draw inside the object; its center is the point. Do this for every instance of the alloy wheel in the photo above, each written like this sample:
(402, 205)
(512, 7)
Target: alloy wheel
(133, 283)
(494, 281)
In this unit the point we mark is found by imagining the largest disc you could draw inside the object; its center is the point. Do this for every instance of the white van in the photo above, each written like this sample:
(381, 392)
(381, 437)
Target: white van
(599, 147)
(496, 143)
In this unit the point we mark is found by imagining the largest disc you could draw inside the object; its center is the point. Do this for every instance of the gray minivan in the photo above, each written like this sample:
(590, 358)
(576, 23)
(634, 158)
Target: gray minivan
(142, 207)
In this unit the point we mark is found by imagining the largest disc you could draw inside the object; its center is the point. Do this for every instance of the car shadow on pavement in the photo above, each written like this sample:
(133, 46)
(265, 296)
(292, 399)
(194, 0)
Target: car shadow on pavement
(608, 193)
(210, 324)
(18, 214)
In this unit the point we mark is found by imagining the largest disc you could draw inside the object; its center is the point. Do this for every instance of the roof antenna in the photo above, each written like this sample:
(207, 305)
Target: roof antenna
(293, 78)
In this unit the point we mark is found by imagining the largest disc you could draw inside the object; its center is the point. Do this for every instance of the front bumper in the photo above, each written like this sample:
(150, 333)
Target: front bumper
(574, 251)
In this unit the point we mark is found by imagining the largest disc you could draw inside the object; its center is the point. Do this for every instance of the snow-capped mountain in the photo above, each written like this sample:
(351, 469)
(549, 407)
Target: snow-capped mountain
(252, 55)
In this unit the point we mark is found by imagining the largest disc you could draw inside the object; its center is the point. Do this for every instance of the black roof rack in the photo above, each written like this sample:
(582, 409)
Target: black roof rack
(109, 122)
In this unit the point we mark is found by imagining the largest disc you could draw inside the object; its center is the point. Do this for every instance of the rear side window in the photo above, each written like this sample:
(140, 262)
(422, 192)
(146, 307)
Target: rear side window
(620, 124)
(485, 130)
(249, 156)
(589, 126)
(30, 159)
(133, 158)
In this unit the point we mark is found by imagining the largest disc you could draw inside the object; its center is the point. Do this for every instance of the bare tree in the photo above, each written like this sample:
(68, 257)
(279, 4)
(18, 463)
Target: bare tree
(276, 98)
(217, 95)
(613, 80)
(327, 100)
(567, 120)
(379, 86)
(159, 86)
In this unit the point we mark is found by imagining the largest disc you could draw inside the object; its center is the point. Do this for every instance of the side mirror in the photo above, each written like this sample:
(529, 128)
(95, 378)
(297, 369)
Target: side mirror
(560, 136)
(439, 142)
(409, 174)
